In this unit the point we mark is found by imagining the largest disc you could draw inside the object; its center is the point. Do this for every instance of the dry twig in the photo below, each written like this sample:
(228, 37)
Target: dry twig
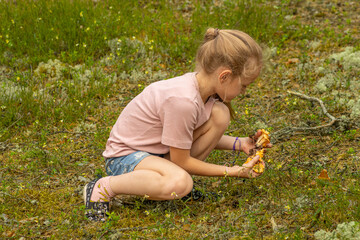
(292, 130)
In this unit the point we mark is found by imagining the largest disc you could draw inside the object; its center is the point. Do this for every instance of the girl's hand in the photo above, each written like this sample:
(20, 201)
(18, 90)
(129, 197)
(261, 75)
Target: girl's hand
(245, 171)
(248, 143)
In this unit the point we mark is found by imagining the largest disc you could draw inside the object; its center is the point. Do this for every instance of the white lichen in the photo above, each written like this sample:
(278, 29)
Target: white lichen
(329, 81)
(52, 70)
(342, 87)
(147, 75)
(81, 76)
(349, 58)
(321, 70)
(10, 90)
(85, 127)
(355, 108)
(260, 125)
(344, 231)
(42, 95)
(302, 201)
(127, 46)
(273, 51)
(354, 85)
(315, 44)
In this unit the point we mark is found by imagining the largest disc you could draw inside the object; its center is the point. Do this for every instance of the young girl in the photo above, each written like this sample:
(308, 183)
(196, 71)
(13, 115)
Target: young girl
(164, 134)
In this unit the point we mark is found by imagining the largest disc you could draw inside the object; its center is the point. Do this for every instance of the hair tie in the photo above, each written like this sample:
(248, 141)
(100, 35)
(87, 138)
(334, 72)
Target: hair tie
(216, 32)
(234, 148)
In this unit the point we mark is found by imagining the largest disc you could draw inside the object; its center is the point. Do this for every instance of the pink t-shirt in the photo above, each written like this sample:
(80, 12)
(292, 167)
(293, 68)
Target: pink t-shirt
(164, 114)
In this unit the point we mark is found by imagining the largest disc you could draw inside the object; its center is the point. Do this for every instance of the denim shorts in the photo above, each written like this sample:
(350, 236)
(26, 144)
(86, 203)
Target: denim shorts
(124, 164)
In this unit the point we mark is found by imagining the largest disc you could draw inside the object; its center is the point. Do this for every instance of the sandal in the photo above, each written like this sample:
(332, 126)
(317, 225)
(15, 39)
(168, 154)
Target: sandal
(194, 195)
(94, 211)
(197, 195)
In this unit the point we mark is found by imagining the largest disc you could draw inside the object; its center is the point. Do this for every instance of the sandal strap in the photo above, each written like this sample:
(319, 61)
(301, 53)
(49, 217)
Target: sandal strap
(96, 211)
(89, 189)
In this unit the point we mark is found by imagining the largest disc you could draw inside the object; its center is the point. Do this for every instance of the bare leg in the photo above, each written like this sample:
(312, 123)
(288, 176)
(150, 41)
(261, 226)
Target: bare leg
(207, 136)
(155, 177)
(159, 178)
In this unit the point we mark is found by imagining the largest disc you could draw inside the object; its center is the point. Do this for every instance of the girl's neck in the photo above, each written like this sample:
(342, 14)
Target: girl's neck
(206, 85)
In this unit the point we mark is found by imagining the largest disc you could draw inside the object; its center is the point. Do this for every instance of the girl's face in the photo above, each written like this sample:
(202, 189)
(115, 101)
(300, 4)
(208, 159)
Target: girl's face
(234, 88)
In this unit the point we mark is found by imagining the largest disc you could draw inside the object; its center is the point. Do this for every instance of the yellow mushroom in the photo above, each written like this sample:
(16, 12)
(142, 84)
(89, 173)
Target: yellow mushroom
(259, 167)
(263, 139)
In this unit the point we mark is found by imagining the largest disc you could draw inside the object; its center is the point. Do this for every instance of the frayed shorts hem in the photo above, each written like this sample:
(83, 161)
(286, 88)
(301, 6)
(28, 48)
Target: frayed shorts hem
(125, 164)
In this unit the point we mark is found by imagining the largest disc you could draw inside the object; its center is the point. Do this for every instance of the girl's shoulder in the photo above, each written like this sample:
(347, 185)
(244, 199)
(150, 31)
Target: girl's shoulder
(179, 86)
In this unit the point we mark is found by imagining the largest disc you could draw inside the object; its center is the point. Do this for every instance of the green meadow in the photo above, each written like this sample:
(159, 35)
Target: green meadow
(68, 68)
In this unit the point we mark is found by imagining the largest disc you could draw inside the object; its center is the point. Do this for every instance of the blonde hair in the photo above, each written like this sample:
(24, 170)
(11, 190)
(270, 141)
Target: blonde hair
(229, 48)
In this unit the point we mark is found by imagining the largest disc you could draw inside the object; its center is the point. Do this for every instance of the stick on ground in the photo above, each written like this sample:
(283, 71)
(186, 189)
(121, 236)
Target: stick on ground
(292, 130)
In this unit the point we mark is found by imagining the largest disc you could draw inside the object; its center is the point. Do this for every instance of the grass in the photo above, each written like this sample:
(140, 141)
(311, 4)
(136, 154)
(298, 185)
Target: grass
(76, 32)
(69, 67)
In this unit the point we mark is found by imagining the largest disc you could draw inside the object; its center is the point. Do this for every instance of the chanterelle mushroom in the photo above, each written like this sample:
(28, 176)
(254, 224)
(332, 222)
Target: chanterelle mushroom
(262, 141)
(259, 167)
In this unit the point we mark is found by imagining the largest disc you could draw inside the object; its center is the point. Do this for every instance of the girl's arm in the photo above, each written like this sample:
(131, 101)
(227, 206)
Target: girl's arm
(244, 144)
(193, 166)
(227, 143)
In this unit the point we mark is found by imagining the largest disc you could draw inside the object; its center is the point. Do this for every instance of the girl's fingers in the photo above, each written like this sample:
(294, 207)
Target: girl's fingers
(263, 163)
(257, 134)
(253, 161)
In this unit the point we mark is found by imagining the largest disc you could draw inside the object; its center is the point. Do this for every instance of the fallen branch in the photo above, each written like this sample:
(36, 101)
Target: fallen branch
(293, 130)
(313, 99)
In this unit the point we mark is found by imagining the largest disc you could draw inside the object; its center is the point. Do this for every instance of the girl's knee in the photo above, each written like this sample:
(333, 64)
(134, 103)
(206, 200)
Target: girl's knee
(179, 185)
(220, 115)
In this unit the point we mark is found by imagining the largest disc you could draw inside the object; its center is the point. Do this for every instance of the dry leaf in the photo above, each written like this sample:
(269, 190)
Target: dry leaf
(292, 60)
(91, 119)
(323, 175)
(274, 225)
(10, 234)
(187, 227)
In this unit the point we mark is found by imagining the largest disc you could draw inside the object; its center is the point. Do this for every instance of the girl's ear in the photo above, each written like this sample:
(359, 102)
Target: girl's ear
(225, 75)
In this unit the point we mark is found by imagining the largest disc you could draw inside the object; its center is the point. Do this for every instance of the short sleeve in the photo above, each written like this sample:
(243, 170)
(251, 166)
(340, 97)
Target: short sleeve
(179, 118)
